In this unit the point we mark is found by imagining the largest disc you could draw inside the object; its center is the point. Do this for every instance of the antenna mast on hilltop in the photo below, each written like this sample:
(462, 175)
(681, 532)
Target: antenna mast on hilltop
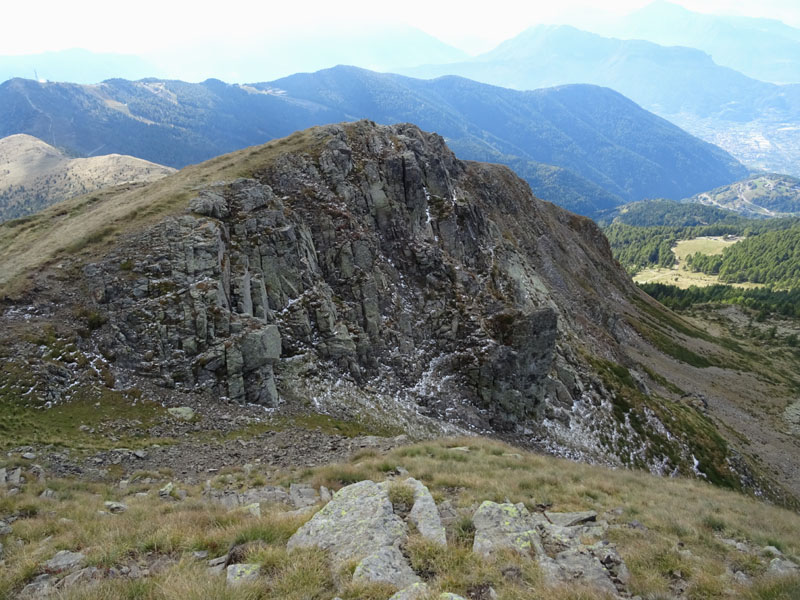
(36, 75)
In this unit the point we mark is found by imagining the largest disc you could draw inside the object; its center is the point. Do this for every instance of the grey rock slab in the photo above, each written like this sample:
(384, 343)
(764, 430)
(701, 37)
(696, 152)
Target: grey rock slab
(228, 499)
(325, 494)
(357, 522)
(425, 515)
(40, 587)
(269, 494)
(781, 566)
(15, 477)
(83, 575)
(499, 526)
(28, 455)
(449, 596)
(303, 495)
(3, 476)
(387, 565)
(576, 565)
(242, 573)
(64, 561)
(571, 519)
(771, 550)
(415, 591)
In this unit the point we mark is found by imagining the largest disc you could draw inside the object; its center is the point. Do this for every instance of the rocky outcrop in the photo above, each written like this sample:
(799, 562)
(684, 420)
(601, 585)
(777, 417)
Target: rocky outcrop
(359, 523)
(375, 259)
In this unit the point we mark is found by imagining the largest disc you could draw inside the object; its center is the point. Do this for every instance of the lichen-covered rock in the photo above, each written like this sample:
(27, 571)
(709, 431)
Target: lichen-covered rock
(357, 522)
(424, 514)
(500, 526)
(386, 565)
(241, 573)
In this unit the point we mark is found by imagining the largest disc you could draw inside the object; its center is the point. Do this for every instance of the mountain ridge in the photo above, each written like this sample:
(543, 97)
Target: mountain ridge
(192, 122)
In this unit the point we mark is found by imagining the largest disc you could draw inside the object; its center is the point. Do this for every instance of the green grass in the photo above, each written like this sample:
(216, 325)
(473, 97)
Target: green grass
(489, 471)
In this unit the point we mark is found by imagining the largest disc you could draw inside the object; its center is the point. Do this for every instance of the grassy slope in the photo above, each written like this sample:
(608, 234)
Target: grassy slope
(683, 523)
(83, 224)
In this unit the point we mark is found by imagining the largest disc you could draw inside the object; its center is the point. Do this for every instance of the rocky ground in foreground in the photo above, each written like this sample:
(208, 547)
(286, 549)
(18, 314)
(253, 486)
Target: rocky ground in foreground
(463, 518)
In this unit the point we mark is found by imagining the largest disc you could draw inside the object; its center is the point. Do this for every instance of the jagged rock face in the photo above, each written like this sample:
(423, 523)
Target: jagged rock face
(374, 256)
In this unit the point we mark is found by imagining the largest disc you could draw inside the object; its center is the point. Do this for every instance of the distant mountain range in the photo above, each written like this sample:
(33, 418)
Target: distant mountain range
(581, 146)
(764, 49)
(380, 47)
(34, 175)
(754, 120)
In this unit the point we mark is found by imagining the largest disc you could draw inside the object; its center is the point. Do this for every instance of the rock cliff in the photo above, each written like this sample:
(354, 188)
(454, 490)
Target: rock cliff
(378, 259)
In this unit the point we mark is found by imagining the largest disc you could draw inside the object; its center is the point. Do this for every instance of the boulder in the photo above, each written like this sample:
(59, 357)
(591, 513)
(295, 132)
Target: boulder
(424, 514)
(357, 522)
(387, 565)
(499, 526)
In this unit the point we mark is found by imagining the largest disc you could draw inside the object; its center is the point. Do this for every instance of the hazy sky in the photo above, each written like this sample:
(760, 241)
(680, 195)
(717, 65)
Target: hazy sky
(142, 26)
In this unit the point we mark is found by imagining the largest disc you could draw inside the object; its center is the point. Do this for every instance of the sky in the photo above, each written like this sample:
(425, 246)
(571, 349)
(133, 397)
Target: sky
(149, 26)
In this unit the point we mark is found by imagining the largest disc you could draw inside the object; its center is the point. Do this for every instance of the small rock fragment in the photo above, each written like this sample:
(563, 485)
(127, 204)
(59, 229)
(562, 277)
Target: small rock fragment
(115, 507)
